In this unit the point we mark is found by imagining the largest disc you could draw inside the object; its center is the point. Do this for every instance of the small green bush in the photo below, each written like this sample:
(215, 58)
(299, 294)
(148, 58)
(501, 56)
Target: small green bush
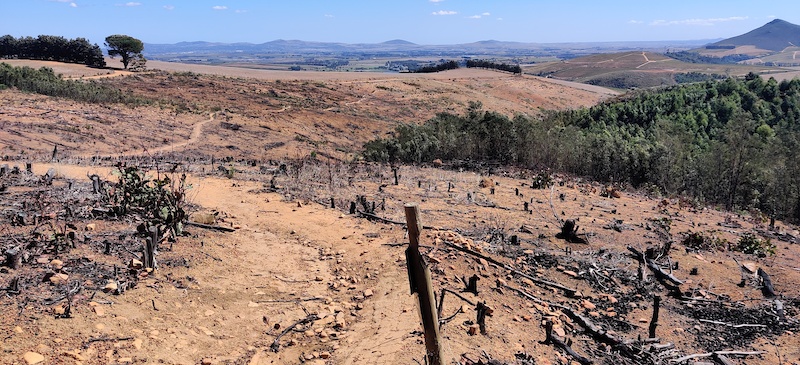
(750, 244)
(701, 241)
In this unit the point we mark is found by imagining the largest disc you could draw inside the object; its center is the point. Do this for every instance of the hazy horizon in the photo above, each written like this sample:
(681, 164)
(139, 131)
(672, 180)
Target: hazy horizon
(423, 22)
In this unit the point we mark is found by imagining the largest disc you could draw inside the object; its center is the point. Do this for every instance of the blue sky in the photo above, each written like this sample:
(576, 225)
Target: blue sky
(372, 21)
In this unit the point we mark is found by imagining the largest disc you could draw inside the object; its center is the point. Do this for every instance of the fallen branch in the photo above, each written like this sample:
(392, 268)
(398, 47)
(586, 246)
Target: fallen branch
(458, 295)
(717, 353)
(594, 330)
(568, 291)
(208, 226)
(276, 345)
(290, 300)
(550, 339)
(660, 273)
(450, 318)
(731, 325)
(371, 216)
(90, 341)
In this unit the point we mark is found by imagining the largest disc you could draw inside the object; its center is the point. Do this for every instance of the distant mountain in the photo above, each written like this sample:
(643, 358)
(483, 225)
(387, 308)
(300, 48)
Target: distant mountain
(399, 41)
(774, 36)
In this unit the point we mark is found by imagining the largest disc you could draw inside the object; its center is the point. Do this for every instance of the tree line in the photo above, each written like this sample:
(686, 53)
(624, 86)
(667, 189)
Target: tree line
(516, 69)
(52, 48)
(442, 66)
(731, 143)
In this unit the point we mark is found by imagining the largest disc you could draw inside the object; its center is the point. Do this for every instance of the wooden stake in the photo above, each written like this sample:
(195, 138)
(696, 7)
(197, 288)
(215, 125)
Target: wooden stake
(420, 279)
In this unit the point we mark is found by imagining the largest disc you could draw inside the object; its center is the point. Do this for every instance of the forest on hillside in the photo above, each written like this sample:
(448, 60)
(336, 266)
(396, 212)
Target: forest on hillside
(731, 143)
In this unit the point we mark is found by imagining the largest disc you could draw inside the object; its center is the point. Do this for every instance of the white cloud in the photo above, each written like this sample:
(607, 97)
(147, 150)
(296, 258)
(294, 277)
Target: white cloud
(219, 7)
(697, 22)
(329, 16)
(241, 11)
(479, 16)
(131, 4)
(635, 22)
(169, 7)
(436, 1)
(73, 5)
(445, 12)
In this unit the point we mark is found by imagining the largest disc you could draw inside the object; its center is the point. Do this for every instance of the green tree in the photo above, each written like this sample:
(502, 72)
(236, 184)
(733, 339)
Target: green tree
(127, 47)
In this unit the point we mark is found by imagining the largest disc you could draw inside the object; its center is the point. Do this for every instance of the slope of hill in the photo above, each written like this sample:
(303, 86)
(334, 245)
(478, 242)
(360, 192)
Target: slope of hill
(296, 113)
(774, 36)
(632, 69)
(291, 280)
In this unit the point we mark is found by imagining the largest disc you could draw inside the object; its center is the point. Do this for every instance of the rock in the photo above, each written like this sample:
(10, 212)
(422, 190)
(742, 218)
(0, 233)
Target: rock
(100, 311)
(571, 273)
(111, 286)
(207, 361)
(91, 227)
(18, 329)
(368, 293)
(57, 264)
(204, 218)
(588, 305)
(137, 343)
(59, 278)
(135, 264)
(526, 318)
(75, 355)
(324, 355)
(751, 267)
(206, 330)
(473, 329)
(59, 310)
(33, 358)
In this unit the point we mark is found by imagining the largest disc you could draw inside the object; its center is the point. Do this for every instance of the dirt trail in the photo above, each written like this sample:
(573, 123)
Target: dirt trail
(282, 251)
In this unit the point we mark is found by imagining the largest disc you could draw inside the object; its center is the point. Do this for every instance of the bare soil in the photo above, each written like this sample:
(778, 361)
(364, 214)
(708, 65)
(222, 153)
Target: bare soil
(224, 297)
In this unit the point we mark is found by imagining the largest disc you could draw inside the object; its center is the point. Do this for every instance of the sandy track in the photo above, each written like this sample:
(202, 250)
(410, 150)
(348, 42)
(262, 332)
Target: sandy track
(275, 254)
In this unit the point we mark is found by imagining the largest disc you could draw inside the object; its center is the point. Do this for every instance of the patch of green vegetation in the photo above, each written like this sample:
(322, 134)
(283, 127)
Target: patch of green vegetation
(703, 241)
(158, 202)
(44, 81)
(750, 244)
(728, 142)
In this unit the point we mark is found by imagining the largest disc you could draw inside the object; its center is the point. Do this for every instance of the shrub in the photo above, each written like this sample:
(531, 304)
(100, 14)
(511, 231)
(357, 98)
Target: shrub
(159, 202)
(541, 180)
(701, 241)
(750, 244)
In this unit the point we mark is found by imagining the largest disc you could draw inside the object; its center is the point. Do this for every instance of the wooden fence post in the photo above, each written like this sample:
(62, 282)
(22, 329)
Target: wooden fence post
(419, 277)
